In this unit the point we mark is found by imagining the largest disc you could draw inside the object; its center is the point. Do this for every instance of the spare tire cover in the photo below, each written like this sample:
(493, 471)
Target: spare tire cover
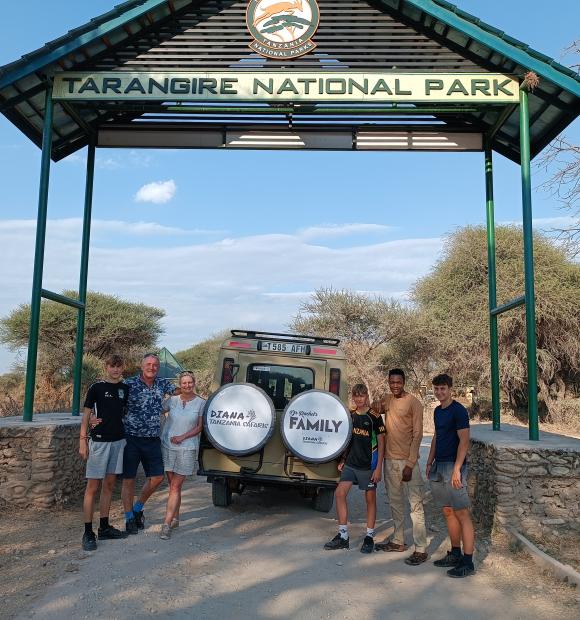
(239, 419)
(316, 426)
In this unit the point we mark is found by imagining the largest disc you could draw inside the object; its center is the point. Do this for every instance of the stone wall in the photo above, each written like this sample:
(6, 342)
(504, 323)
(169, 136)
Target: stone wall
(532, 486)
(39, 461)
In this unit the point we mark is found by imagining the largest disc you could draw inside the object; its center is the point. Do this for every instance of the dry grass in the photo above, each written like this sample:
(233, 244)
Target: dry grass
(561, 545)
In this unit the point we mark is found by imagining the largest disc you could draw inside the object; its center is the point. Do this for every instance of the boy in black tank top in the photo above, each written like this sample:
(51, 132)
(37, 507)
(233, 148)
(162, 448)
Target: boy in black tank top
(361, 464)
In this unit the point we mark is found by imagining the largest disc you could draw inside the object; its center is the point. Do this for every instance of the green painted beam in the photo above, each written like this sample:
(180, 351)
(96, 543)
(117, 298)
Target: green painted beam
(102, 30)
(76, 117)
(509, 305)
(61, 299)
(78, 363)
(470, 28)
(529, 267)
(492, 285)
(30, 384)
(502, 118)
(297, 111)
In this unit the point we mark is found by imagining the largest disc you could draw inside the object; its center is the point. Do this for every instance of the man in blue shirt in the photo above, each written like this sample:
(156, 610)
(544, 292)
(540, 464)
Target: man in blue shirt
(447, 473)
(142, 428)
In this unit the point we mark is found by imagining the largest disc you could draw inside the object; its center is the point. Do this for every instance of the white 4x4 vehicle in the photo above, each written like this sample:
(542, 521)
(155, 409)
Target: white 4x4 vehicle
(276, 417)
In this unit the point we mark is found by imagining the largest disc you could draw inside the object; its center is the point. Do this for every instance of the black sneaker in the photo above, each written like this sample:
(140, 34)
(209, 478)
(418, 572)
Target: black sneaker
(139, 519)
(111, 533)
(461, 570)
(338, 542)
(368, 545)
(449, 561)
(131, 526)
(89, 541)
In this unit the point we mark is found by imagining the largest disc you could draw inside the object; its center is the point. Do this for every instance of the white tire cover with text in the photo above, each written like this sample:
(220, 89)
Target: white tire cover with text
(239, 419)
(316, 426)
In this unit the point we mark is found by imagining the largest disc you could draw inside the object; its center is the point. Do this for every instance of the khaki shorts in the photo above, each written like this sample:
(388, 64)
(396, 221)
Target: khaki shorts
(105, 457)
(443, 491)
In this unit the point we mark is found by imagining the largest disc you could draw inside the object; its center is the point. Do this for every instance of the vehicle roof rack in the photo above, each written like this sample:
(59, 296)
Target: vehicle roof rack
(243, 333)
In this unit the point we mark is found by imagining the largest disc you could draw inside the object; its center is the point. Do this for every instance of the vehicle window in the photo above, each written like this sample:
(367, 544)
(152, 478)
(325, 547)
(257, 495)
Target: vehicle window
(281, 383)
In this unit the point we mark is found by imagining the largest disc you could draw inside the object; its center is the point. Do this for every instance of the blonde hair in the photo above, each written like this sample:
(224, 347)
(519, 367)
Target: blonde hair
(186, 373)
(360, 389)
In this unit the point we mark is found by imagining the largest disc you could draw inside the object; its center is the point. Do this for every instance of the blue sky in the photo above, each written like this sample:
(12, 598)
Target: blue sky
(224, 246)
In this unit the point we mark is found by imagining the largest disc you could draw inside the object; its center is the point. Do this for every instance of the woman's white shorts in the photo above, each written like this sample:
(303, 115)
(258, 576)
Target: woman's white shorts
(179, 461)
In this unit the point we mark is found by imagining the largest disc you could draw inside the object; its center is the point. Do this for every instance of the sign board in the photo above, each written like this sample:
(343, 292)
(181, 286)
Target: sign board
(288, 86)
(316, 426)
(239, 419)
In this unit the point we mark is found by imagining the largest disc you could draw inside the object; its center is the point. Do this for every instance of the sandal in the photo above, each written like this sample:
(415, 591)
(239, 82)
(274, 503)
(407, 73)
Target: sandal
(390, 546)
(416, 558)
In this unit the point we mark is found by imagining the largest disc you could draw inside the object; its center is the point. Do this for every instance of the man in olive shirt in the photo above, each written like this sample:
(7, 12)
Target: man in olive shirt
(404, 423)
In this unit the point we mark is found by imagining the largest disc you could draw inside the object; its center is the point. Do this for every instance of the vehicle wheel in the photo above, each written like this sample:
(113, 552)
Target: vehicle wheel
(323, 500)
(221, 494)
(308, 492)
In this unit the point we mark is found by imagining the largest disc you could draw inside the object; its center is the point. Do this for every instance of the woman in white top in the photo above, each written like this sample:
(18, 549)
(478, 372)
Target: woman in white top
(180, 443)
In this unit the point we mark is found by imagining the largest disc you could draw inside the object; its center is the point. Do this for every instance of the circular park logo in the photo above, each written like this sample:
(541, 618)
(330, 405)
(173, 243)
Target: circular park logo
(282, 30)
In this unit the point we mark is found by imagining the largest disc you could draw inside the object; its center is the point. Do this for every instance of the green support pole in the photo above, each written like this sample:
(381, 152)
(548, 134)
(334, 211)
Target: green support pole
(78, 366)
(529, 266)
(492, 290)
(38, 258)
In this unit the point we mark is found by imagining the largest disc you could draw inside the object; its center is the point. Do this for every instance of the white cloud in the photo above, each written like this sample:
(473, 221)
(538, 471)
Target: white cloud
(70, 228)
(254, 281)
(123, 160)
(158, 192)
(326, 231)
(291, 295)
(547, 223)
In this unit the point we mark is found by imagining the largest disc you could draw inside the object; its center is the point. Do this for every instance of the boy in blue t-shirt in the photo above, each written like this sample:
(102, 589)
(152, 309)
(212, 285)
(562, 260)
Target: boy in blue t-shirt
(447, 473)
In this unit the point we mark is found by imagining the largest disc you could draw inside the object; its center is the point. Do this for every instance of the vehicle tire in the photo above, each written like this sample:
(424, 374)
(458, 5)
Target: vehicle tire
(323, 500)
(308, 492)
(221, 494)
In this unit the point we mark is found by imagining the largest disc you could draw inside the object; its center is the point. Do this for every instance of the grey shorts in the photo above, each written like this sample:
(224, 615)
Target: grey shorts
(105, 457)
(362, 477)
(443, 492)
(182, 462)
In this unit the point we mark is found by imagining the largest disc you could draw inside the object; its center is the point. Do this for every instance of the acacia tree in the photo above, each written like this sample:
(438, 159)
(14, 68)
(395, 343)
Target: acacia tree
(365, 324)
(112, 325)
(453, 301)
(202, 358)
(561, 160)
(413, 351)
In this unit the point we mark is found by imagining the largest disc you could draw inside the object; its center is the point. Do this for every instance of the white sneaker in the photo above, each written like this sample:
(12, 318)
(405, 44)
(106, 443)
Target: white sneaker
(165, 532)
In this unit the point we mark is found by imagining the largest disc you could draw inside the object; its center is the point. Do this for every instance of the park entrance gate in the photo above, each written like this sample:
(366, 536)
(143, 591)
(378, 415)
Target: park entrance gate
(303, 74)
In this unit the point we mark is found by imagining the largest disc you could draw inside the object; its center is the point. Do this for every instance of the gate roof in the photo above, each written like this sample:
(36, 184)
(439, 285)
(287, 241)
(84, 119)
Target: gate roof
(385, 35)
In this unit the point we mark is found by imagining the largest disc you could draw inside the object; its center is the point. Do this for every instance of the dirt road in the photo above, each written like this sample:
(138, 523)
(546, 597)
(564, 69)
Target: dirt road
(263, 558)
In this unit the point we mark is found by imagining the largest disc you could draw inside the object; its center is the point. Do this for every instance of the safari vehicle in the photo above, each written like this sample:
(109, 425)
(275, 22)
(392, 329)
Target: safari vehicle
(277, 369)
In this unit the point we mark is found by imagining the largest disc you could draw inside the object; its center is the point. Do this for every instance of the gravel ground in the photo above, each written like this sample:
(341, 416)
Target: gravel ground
(263, 558)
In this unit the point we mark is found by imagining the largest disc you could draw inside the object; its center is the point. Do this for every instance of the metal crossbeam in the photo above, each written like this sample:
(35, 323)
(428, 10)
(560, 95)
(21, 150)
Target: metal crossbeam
(61, 299)
(510, 305)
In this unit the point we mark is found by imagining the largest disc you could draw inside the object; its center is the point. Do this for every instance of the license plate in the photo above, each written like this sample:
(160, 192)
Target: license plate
(283, 347)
